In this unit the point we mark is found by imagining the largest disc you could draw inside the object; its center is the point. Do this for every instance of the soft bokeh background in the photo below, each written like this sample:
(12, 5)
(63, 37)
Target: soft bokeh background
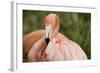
(76, 26)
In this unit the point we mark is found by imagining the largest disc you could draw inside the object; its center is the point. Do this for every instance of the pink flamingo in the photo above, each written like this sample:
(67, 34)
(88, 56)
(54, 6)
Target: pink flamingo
(50, 45)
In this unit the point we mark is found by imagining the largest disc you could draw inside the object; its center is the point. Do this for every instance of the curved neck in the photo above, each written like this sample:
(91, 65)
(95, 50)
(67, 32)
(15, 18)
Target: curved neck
(56, 27)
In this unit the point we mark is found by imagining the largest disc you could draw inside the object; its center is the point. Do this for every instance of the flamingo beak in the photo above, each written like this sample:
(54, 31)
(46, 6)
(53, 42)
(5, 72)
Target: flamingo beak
(47, 33)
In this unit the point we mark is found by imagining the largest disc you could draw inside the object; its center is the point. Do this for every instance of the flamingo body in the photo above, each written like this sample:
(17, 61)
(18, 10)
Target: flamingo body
(30, 39)
(58, 48)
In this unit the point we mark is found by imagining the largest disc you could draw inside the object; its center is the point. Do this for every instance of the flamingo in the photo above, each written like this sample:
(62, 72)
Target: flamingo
(51, 45)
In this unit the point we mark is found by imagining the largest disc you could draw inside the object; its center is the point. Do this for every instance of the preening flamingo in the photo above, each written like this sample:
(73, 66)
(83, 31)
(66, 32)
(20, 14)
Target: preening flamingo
(51, 45)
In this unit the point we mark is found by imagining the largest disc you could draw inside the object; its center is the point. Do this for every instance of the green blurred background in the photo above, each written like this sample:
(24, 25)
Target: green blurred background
(76, 26)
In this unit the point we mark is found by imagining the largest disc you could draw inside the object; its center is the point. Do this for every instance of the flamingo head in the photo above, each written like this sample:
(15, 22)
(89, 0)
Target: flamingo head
(51, 22)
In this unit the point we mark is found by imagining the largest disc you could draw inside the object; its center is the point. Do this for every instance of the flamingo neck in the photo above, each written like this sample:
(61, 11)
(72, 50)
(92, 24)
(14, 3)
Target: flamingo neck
(55, 30)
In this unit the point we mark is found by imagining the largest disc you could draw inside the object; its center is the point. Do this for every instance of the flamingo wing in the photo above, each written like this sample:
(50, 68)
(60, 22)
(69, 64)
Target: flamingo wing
(36, 50)
(75, 50)
(30, 39)
(62, 48)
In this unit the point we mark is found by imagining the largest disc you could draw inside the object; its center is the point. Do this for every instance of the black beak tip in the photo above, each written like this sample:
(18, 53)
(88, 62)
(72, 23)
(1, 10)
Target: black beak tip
(47, 40)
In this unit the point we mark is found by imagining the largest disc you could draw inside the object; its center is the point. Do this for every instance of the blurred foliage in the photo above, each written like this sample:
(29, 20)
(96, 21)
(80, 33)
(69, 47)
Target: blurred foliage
(76, 26)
